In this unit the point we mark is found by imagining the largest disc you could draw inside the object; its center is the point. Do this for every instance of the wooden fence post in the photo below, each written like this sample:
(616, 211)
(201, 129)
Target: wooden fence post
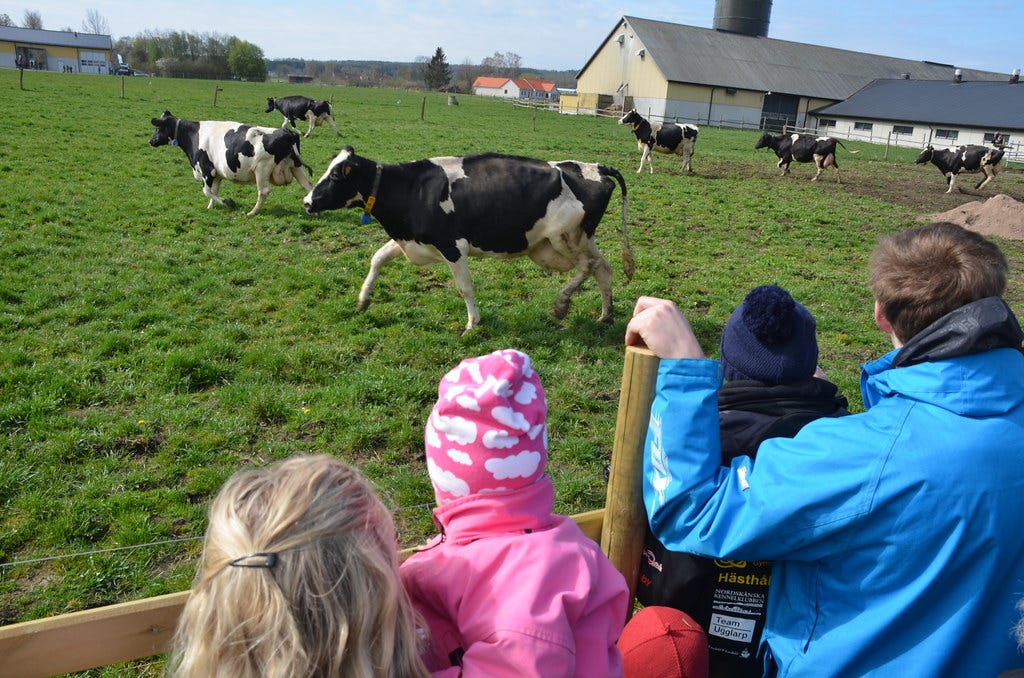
(625, 519)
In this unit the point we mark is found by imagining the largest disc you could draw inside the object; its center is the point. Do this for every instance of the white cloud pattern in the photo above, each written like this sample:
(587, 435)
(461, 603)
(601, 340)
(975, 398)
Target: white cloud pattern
(527, 393)
(510, 418)
(456, 429)
(522, 465)
(499, 439)
(446, 481)
(460, 457)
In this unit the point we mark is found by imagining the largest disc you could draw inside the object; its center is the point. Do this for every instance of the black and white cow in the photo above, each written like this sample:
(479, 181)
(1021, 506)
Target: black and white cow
(296, 107)
(969, 159)
(803, 148)
(487, 205)
(664, 138)
(244, 154)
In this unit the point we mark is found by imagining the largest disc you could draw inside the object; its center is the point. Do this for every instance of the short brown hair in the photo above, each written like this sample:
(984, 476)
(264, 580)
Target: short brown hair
(921, 274)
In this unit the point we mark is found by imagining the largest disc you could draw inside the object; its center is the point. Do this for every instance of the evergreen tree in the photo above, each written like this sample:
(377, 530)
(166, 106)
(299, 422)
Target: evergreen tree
(438, 74)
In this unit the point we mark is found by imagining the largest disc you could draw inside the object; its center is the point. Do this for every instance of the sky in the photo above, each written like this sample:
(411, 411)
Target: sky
(550, 34)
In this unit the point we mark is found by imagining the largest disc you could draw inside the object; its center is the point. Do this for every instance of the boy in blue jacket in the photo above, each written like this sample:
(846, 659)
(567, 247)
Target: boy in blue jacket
(895, 532)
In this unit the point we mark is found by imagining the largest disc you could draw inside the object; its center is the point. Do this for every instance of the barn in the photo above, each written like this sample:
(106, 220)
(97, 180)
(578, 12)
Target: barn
(920, 112)
(733, 75)
(60, 51)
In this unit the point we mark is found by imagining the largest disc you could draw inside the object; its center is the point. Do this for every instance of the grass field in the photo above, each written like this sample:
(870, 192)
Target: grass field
(150, 347)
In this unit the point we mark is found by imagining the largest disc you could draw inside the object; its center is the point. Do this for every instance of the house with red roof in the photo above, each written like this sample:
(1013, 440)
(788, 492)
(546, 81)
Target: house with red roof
(515, 88)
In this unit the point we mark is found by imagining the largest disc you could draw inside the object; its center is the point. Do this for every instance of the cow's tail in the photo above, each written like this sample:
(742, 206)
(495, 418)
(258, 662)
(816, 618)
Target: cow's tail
(845, 148)
(628, 263)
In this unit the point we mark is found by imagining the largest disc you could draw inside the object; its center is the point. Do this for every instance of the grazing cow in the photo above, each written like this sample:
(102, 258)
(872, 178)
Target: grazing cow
(664, 138)
(244, 154)
(968, 159)
(803, 148)
(488, 205)
(296, 107)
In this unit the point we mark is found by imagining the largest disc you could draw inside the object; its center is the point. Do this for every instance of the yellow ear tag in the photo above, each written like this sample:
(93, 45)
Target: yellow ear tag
(369, 204)
(346, 171)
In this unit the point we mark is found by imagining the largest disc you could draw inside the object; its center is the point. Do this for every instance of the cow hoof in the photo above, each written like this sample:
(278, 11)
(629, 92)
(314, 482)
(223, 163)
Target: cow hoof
(559, 313)
(229, 203)
(606, 319)
(252, 213)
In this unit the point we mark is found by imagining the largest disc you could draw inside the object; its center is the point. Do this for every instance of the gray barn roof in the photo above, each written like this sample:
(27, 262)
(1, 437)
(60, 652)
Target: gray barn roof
(994, 105)
(710, 57)
(33, 36)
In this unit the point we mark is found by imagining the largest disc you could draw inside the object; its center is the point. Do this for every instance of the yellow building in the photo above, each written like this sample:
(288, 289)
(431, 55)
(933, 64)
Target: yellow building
(726, 78)
(60, 51)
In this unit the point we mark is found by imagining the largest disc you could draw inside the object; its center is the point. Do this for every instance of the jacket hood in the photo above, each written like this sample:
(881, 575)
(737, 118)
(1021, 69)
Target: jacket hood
(968, 362)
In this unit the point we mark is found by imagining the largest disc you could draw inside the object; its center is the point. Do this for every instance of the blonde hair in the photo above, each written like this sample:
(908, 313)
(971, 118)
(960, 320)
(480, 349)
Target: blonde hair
(327, 602)
(921, 274)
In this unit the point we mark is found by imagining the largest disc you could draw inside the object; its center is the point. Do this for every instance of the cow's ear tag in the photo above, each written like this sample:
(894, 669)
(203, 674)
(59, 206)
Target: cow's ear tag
(365, 219)
(346, 171)
(174, 142)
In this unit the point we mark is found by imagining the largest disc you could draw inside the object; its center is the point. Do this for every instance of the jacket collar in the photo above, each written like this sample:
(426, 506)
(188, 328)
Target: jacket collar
(495, 513)
(973, 328)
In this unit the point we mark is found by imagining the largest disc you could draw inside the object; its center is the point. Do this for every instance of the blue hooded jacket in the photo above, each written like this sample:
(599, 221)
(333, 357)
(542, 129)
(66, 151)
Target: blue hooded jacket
(896, 532)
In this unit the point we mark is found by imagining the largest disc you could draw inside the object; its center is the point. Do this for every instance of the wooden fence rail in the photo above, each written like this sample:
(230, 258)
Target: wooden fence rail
(143, 628)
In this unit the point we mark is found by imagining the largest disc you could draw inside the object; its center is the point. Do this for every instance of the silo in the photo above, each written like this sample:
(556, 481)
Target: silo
(749, 17)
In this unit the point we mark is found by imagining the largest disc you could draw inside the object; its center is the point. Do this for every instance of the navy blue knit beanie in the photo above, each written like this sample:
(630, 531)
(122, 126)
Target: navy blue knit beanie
(769, 338)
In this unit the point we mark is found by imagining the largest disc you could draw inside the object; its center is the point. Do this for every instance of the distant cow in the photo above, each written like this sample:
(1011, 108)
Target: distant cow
(969, 159)
(803, 148)
(488, 205)
(663, 138)
(296, 107)
(244, 154)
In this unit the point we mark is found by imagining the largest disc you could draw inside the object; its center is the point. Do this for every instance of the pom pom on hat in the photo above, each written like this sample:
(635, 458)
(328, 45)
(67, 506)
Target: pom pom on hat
(769, 338)
(662, 642)
(488, 431)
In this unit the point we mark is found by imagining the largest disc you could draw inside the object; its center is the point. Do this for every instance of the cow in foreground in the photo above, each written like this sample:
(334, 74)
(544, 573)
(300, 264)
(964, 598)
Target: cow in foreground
(663, 138)
(488, 205)
(296, 107)
(803, 148)
(969, 159)
(244, 154)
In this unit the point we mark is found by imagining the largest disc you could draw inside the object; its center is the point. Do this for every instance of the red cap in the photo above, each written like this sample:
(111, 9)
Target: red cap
(662, 642)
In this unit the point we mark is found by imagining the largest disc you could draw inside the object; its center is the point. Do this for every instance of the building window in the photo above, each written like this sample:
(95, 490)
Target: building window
(990, 137)
(826, 122)
(902, 129)
(863, 126)
(950, 134)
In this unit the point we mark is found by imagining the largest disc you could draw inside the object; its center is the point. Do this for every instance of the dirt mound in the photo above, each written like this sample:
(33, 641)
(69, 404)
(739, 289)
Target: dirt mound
(1000, 215)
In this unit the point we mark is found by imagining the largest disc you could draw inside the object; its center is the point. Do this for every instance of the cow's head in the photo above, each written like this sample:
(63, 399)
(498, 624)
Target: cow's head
(341, 185)
(631, 118)
(270, 105)
(765, 141)
(926, 156)
(166, 129)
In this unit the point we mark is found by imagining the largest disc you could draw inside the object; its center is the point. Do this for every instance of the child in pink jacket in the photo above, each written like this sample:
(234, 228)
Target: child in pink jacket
(507, 588)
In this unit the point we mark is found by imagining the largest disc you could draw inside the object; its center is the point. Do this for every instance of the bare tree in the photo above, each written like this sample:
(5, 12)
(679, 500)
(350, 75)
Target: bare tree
(5, 20)
(95, 23)
(32, 19)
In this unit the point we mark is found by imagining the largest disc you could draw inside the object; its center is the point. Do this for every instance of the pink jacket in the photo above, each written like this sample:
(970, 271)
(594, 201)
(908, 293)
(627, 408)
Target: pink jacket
(509, 589)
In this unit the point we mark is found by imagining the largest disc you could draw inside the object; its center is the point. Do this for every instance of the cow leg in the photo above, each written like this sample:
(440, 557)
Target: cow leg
(389, 251)
(262, 191)
(988, 177)
(589, 262)
(331, 120)
(951, 180)
(211, 189)
(644, 153)
(819, 163)
(784, 164)
(310, 118)
(464, 283)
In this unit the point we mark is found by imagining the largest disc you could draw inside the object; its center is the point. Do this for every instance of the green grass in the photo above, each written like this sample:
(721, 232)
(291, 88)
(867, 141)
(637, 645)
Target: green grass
(150, 347)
